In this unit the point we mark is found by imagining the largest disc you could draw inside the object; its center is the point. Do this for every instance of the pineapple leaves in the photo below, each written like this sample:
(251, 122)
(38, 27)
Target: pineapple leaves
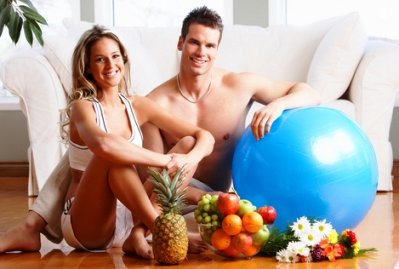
(170, 196)
(17, 14)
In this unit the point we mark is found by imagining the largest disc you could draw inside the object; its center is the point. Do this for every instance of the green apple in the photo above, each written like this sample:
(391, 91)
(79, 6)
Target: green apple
(260, 237)
(245, 206)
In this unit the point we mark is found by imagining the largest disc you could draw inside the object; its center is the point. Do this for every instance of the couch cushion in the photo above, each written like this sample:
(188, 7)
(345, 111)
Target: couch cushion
(277, 52)
(337, 56)
(286, 52)
(59, 48)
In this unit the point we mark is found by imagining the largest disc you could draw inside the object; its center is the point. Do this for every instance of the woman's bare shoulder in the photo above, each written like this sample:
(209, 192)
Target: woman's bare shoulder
(81, 104)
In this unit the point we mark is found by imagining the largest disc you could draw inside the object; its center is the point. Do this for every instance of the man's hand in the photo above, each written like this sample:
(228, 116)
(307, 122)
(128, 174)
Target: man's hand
(263, 119)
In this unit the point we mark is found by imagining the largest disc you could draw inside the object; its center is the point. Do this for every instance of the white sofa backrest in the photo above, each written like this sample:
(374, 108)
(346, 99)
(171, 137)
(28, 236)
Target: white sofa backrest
(324, 54)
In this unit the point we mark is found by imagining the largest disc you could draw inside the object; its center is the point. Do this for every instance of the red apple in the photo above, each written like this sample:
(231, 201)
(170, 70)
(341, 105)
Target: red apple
(268, 214)
(228, 203)
(241, 241)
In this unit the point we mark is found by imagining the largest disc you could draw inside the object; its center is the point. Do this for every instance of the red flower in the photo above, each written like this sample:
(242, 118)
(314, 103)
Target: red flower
(349, 235)
(352, 237)
(333, 252)
(340, 250)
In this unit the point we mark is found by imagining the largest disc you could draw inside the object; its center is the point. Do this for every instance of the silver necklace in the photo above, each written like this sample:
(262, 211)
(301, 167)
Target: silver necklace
(188, 99)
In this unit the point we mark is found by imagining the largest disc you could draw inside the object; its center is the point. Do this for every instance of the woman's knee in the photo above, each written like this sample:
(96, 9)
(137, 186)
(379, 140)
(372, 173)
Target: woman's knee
(119, 172)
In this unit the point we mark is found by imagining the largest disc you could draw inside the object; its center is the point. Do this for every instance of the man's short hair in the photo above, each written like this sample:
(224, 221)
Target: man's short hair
(204, 16)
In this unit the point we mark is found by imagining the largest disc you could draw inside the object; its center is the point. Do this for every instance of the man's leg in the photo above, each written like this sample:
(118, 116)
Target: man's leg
(44, 215)
(50, 202)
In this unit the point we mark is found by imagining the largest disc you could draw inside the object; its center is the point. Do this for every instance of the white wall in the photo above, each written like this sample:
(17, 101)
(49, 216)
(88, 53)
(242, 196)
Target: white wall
(14, 140)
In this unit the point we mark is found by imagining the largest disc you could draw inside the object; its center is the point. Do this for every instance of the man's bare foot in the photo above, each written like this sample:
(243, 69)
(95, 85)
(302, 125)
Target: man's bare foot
(136, 244)
(22, 237)
(195, 243)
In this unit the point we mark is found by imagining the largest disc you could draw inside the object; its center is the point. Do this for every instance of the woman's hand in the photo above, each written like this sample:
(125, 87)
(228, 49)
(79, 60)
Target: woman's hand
(179, 161)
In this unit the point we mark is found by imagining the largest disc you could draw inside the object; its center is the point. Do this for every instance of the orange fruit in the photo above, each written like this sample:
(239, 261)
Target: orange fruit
(252, 222)
(251, 251)
(232, 224)
(231, 251)
(220, 240)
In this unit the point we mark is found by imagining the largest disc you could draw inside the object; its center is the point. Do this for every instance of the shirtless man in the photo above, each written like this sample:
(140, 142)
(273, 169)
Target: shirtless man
(214, 99)
(218, 101)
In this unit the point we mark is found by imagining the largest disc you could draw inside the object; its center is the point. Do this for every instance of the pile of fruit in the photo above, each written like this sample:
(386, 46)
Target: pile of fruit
(232, 226)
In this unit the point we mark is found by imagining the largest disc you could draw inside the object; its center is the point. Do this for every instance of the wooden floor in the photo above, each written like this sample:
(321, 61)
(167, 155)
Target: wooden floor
(380, 229)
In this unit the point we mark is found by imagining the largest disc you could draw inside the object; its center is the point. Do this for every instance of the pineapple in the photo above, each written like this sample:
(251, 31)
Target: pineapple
(169, 239)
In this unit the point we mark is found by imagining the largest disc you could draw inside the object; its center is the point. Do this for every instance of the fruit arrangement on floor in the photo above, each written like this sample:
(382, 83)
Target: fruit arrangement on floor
(233, 227)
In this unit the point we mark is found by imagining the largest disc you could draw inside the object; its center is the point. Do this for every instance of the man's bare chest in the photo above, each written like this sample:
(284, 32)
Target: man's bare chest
(225, 121)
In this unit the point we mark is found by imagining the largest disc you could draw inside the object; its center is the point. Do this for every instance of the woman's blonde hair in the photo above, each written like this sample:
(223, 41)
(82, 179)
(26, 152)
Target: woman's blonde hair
(83, 84)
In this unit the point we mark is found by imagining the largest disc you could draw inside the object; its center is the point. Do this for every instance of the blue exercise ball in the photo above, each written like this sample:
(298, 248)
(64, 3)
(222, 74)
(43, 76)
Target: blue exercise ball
(315, 162)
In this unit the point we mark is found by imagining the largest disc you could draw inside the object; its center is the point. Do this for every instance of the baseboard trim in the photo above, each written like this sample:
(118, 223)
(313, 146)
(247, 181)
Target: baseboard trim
(395, 169)
(21, 169)
(14, 169)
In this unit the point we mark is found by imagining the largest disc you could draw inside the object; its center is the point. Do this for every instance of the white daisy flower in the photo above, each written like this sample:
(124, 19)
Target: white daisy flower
(302, 225)
(287, 256)
(322, 227)
(281, 255)
(310, 238)
(298, 248)
(304, 252)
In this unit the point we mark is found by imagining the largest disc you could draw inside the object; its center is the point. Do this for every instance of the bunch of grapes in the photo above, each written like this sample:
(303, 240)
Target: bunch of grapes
(207, 213)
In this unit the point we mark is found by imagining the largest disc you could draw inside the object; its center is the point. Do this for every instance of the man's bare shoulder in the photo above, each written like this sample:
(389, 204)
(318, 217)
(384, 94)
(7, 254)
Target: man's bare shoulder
(230, 76)
(163, 91)
(239, 80)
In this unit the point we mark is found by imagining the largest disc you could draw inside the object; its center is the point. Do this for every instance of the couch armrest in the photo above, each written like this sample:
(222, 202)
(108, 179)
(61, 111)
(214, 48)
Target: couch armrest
(373, 91)
(374, 87)
(30, 76)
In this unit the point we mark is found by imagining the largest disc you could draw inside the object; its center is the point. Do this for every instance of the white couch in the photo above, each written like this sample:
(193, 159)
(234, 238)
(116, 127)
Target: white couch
(353, 73)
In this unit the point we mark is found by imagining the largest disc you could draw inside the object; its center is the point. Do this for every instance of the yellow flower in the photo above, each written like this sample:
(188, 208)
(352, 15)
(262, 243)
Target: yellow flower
(356, 248)
(333, 236)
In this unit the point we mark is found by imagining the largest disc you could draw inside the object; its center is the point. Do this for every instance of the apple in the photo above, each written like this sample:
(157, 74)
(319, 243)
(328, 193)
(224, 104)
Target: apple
(268, 214)
(227, 203)
(260, 237)
(245, 206)
(241, 241)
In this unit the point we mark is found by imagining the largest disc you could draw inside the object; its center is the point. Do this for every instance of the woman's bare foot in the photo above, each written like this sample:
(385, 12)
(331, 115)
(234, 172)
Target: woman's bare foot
(138, 245)
(20, 238)
(195, 243)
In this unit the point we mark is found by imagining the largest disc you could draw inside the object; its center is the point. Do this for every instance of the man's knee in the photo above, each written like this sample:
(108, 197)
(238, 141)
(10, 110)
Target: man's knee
(185, 144)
